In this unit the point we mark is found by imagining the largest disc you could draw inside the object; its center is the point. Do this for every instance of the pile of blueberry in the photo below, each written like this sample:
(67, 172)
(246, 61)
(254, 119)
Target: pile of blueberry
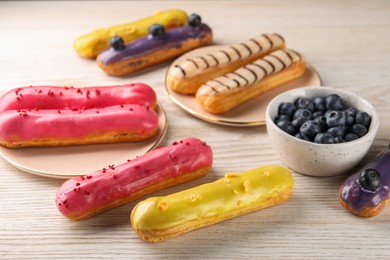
(324, 120)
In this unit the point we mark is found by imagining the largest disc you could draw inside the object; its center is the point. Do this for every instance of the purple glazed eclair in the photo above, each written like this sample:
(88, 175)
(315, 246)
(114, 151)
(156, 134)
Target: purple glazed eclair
(366, 193)
(158, 46)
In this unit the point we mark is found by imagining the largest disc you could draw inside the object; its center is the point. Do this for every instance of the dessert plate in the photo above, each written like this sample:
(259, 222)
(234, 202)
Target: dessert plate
(250, 113)
(70, 161)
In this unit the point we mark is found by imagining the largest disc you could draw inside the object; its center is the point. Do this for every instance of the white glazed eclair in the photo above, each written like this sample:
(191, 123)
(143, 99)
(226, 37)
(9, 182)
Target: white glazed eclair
(160, 218)
(223, 93)
(189, 74)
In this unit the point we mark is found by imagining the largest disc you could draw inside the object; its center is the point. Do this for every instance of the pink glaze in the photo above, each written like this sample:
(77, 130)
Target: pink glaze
(50, 97)
(79, 196)
(42, 124)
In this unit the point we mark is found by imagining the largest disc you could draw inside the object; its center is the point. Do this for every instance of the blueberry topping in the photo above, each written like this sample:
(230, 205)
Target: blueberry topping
(194, 20)
(370, 179)
(310, 129)
(286, 126)
(324, 138)
(117, 43)
(335, 118)
(156, 31)
(287, 109)
(363, 118)
(334, 102)
(304, 102)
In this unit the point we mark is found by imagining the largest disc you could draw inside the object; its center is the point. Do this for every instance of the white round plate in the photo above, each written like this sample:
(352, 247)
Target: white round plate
(250, 113)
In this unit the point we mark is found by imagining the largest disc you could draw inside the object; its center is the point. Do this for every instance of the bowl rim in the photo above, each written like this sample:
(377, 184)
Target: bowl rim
(374, 125)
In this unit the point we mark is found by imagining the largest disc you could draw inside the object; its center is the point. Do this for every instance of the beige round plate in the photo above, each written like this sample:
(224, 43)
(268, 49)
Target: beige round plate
(71, 161)
(251, 113)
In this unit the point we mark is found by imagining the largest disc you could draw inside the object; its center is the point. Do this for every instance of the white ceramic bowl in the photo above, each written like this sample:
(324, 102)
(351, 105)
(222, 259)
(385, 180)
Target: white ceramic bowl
(319, 159)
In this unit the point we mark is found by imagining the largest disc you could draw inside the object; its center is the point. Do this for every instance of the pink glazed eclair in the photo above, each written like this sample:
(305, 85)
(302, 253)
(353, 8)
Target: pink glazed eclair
(83, 197)
(53, 97)
(49, 127)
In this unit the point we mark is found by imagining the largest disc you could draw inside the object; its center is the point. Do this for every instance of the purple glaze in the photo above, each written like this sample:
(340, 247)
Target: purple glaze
(360, 198)
(172, 39)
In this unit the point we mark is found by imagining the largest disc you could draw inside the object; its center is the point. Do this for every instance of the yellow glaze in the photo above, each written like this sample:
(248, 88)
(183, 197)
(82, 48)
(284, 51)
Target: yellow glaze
(90, 45)
(235, 194)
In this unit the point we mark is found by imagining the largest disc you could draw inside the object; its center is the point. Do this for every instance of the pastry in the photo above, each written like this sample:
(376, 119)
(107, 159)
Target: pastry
(158, 46)
(83, 197)
(52, 97)
(366, 192)
(223, 93)
(59, 127)
(160, 218)
(90, 45)
(189, 74)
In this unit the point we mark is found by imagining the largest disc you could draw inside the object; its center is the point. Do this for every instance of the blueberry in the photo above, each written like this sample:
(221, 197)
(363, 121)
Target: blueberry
(194, 20)
(339, 140)
(281, 118)
(358, 129)
(319, 104)
(349, 117)
(156, 31)
(304, 102)
(117, 43)
(286, 126)
(335, 118)
(321, 120)
(298, 122)
(287, 109)
(301, 112)
(317, 114)
(370, 179)
(337, 131)
(350, 137)
(310, 129)
(324, 138)
(303, 137)
(363, 118)
(352, 111)
(334, 102)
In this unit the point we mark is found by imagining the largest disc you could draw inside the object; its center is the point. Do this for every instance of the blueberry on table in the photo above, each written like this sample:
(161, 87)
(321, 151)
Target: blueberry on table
(335, 118)
(287, 109)
(194, 20)
(319, 104)
(286, 126)
(310, 129)
(334, 102)
(370, 179)
(304, 102)
(324, 138)
(156, 31)
(363, 118)
(359, 130)
(117, 43)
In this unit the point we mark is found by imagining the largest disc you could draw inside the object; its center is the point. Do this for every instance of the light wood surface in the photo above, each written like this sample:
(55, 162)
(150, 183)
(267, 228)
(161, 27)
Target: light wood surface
(348, 42)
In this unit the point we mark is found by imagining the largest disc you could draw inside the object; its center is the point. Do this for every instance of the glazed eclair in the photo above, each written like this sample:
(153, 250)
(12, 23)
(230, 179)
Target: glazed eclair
(160, 218)
(223, 93)
(189, 74)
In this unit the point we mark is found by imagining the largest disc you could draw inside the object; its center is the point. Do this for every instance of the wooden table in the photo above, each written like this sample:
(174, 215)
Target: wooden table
(348, 42)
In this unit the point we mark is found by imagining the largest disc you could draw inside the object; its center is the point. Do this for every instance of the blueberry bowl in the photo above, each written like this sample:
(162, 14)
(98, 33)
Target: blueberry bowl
(321, 131)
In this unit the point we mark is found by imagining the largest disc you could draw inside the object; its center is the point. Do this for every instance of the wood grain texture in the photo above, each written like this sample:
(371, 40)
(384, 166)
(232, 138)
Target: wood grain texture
(348, 42)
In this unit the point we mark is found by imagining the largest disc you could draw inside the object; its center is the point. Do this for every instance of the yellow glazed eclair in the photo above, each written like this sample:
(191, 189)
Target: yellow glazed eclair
(223, 93)
(90, 45)
(189, 74)
(160, 218)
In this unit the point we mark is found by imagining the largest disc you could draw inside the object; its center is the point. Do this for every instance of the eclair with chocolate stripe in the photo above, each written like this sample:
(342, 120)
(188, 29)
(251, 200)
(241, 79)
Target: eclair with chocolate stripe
(223, 93)
(189, 74)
